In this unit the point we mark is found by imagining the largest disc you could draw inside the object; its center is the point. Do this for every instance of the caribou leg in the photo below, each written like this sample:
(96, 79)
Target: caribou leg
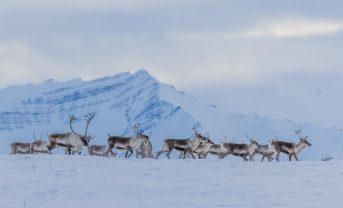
(168, 153)
(277, 156)
(159, 153)
(131, 152)
(296, 157)
(270, 158)
(192, 155)
(263, 158)
(108, 149)
(69, 150)
(290, 157)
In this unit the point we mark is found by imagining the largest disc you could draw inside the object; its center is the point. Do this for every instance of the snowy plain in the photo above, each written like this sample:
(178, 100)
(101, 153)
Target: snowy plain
(82, 181)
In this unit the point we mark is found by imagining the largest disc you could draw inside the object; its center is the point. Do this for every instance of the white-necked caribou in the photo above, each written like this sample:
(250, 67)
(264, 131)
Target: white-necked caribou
(290, 148)
(72, 141)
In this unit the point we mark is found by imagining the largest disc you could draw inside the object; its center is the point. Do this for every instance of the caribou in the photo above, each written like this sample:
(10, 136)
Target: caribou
(127, 144)
(72, 141)
(203, 148)
(20, 148)
(289, 148)
(241, 150)
(183, 145)
(39, 146)
(266, 151)
(145, 150)
(215, 149)
(98, 150)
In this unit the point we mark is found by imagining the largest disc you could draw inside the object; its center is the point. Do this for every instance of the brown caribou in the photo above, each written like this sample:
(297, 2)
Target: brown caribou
(183, 145)
(127, 144)
(241, 150)
(290, 148)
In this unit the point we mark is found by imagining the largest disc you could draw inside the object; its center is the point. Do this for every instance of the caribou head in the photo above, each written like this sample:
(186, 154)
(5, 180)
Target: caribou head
(253, 142)
(137, 128)
(199, 139)
(85, 138)
(303, 139)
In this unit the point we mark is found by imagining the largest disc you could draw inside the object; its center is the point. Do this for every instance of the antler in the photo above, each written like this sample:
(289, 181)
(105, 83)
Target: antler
(195, 127)
(300, 136)
(88, 119)
(73, 118)
(298, 133)
(252, 139)
(34, 135)
(246, 134)
(137, 128)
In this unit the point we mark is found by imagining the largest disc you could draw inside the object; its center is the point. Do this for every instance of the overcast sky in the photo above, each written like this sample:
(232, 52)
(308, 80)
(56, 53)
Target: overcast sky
(282, 59)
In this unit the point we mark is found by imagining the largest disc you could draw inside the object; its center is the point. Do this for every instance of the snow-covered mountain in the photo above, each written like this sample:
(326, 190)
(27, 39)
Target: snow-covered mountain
(122, 100)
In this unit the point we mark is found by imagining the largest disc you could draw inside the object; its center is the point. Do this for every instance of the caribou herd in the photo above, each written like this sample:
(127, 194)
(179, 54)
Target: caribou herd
(200, 146)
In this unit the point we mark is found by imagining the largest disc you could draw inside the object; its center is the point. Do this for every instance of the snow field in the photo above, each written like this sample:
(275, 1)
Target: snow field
(82, 181)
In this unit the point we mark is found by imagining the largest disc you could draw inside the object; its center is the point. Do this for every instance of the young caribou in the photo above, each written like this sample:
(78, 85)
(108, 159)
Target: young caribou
(265, 151)
(98, 150)
(20, 148)
(39, 146)
(289, 148)
(72, 141)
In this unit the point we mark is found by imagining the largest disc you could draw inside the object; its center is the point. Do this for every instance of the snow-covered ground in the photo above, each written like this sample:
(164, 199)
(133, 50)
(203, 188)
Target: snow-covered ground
(84, 181)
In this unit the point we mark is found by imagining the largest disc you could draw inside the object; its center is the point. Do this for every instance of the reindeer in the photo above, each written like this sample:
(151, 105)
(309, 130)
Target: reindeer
(20, 148)
(203, 148)
(183, 145)
(145, 150)
(126, 143)
(72, 141)
(265, 151)
(98, 150)
(39, 146)
(291, 149)
(215, 149)
(241, 150)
